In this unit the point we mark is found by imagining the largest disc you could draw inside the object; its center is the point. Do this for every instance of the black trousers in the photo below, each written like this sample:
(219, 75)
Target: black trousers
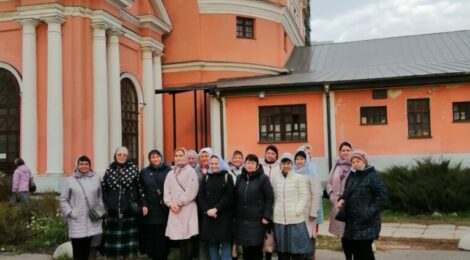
(81, 248)
(253, 252)
(153, 242)
(289, 256)
(187, 248)
(357, 249)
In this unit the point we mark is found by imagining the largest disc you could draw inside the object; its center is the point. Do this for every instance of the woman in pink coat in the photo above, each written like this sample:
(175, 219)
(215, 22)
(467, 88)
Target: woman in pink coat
(181, 188)
(335, 185)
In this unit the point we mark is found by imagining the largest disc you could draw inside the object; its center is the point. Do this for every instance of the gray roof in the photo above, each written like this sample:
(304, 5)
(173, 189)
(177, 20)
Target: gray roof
(434, 54)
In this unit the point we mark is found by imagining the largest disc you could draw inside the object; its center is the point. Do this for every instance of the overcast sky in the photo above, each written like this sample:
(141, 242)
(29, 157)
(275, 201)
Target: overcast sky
(350, 20)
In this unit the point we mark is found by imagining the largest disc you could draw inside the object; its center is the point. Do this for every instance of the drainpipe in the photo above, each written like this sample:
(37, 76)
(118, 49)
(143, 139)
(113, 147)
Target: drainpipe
(326, 90)
(221, 116)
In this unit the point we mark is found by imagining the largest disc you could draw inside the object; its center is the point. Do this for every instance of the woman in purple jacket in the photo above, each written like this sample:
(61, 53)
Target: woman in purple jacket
(20, 186)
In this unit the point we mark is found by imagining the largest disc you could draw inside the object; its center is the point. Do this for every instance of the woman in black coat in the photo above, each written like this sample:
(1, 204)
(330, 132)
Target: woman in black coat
(216, 201)
(254, 208)
(152, 240)
(363, 198)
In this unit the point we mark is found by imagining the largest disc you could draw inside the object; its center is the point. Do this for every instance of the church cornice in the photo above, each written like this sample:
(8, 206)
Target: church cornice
(261, 9)
(222, 66)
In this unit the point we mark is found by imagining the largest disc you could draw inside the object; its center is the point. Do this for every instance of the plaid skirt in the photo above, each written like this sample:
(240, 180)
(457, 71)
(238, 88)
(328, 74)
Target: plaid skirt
(120, 236)
(292, 239)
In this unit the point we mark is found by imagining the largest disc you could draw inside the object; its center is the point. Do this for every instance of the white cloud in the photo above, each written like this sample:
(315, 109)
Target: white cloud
(389, 18)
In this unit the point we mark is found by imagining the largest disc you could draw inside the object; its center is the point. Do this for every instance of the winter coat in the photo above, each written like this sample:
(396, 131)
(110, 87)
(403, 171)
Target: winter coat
(153, 180)
(290, 197)
(253, 202)
(335, 188)
(121, 186)
(313, 204)
(21, 178)
(181, 187)
(74, 206)
(216, 191)
(364, 196)
(271, 169)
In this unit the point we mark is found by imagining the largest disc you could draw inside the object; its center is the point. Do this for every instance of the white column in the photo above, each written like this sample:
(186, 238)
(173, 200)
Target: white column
(149, 93)
(29, 116)
(100, 99)
(55, 126)
(158, 101)
(114, 90)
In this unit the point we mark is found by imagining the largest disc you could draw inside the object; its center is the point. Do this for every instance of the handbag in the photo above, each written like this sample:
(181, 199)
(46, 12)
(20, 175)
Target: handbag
(96, 212)
(268, 243)
(32, 185)
(341, 215)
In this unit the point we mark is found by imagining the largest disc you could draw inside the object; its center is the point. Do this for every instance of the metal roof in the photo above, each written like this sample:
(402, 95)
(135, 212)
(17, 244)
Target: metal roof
(426, 55)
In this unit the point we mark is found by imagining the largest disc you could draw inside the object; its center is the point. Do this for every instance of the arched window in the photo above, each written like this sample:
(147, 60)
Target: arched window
(130, 119)
(9, 120)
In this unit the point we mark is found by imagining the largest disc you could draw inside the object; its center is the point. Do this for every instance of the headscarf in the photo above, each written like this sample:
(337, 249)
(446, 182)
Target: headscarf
(310, 164)
(344, 166)
(185, 158)
(303, 170)
(222, 165)
(361, 155)
(206, 150)
(193, 153)
(155, 151)
(77, 173)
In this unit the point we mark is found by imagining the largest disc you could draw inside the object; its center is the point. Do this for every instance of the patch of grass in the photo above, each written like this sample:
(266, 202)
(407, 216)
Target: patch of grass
(329, 243)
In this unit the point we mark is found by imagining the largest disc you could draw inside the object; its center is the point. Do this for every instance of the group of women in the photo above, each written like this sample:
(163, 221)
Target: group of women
(211, 208)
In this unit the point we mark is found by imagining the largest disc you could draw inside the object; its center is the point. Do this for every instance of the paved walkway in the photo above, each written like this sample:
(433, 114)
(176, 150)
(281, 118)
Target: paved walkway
(398, 230)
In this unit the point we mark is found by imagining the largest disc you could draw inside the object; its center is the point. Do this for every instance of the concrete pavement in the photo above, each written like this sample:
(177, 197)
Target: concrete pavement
(406, 230)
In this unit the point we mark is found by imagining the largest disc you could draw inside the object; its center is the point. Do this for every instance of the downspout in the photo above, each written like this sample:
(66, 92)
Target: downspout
(221, 116)
(326, 90)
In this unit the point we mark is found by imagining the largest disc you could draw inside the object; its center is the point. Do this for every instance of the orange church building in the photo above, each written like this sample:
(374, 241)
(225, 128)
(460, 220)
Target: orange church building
(84, 77)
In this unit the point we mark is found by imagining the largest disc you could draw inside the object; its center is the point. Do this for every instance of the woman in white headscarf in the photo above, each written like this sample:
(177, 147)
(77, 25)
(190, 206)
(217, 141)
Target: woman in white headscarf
(216, 202)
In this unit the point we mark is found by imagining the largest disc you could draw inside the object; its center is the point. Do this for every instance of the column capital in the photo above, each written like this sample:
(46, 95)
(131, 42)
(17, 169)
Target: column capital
(29, 22)
(99, 26)
(112, 31)
(147, 49)
(54, 19)
(157, 54)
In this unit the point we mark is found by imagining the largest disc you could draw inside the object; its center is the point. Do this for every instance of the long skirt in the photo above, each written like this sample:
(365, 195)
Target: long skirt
(120, 236)
(292, 239)
(153, 242)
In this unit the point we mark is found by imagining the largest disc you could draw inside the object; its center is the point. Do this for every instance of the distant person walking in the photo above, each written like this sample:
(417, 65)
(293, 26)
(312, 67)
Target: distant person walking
(20, 185)
(363, 198)
(335, 185)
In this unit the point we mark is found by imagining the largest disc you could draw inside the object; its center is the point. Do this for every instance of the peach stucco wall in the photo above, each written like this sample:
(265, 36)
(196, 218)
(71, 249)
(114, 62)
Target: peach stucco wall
(10, 39)
(212, 37)
(392, 138)
(242, 122)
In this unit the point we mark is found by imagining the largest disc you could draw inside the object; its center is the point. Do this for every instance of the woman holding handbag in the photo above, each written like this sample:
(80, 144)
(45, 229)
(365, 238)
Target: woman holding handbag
(291, 195)
(22, 179)
(152, 240)
(79, 193)
(124, 198)
(180, 191)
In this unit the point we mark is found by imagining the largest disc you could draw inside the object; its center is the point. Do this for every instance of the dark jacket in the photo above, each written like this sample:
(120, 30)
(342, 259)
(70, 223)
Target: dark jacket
(121, 185)
(365, 196)
(254, 200)
(152, 180)
(216, 191)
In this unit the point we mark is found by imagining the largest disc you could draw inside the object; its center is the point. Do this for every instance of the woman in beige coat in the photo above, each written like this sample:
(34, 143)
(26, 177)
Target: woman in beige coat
(181, 188)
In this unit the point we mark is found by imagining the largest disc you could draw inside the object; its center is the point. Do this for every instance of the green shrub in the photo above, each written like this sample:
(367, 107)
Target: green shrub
(39, 225)
(428, 186)
(5, 186)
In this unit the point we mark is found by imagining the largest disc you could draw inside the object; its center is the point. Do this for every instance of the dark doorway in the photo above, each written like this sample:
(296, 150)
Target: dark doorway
(130, 119)
(9, 121)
